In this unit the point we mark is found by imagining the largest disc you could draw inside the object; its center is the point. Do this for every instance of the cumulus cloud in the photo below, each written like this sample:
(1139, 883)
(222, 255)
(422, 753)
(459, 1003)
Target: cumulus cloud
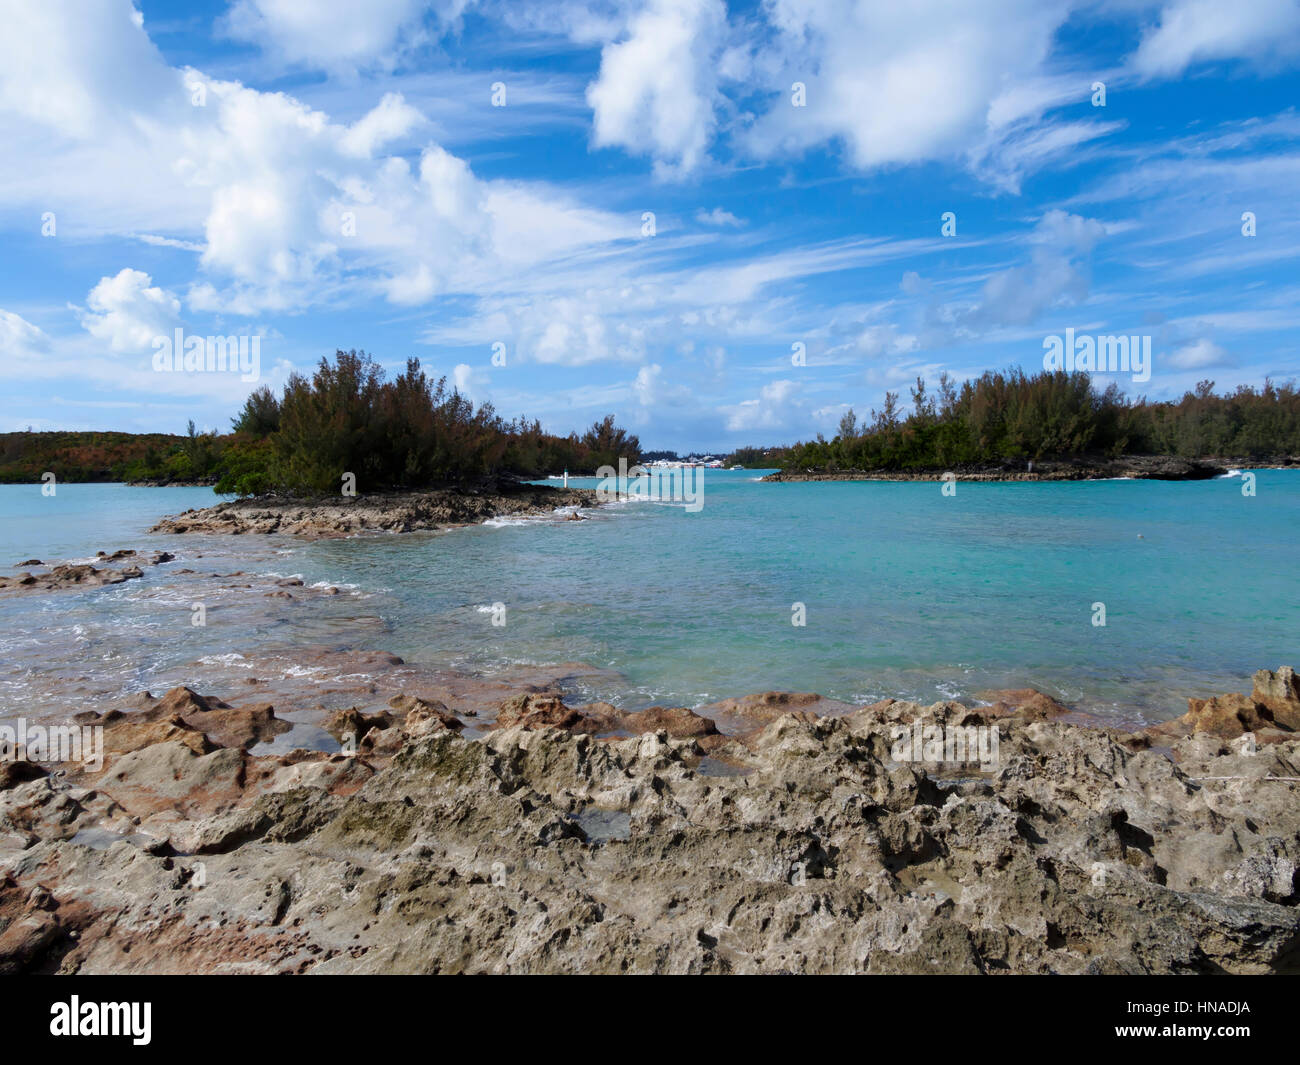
(19, 339)
(900, 83)
(128, 310)
(656, 91)
(392, 119)
(886, 84)
(293, 207)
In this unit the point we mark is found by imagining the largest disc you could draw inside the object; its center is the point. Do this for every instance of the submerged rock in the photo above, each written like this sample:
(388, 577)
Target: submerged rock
(69, 576)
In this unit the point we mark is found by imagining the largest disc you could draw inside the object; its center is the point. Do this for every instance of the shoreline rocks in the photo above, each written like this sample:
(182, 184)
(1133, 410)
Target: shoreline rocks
(532, 848)
(66, 575)
(395, 512)
(1271, 712)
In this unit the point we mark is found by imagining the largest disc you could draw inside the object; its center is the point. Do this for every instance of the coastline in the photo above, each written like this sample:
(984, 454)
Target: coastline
(315, 810)
(437, 837)
(384, 512)
(1134, 467)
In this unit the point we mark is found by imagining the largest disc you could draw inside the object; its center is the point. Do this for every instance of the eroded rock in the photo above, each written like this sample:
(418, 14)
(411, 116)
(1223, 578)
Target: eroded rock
(546, 849)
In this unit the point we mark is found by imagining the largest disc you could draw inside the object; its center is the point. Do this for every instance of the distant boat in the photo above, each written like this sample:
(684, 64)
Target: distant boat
(737, 467)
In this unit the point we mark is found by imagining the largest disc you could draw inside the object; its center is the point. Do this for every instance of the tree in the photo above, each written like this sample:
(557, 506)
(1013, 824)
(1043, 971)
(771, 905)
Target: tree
(849, 426)
(261, 414)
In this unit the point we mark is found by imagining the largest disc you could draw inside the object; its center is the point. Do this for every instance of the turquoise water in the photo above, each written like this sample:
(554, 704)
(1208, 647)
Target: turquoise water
(907, 592)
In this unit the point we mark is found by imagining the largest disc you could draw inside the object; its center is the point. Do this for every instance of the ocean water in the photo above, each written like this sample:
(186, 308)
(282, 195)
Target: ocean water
(905, 592)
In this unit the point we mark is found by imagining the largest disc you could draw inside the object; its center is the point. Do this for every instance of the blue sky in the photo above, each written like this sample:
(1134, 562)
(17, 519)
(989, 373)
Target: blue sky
(336, 174)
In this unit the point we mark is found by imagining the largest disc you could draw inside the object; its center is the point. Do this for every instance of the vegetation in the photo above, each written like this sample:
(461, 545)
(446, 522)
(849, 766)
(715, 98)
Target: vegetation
(1011, 416)
(757, 458)
(410, 432)
(93, 456)
(413, 432)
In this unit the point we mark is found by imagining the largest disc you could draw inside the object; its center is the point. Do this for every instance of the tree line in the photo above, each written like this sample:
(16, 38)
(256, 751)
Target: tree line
(408, 432)
(1012, 416)
(87, 456)
(405, 433)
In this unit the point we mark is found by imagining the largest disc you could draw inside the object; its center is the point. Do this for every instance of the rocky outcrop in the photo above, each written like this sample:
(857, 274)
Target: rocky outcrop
(69, 576)
(538, 849)
(337, 516)
(222, 724)
(1025, 704)
(747, 712)
(1279, 694)
(677, 721)
(542, 710)
(80, 575)
(352, 725)
(532, 711)
(1271, 712)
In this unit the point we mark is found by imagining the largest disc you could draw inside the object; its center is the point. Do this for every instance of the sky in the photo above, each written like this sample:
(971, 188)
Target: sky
(726, 224)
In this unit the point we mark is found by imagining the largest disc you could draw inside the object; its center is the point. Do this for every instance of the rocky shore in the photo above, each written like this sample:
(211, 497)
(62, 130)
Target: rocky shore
(62, 576)
(778, 832)
(395, 512)
(1139, 467)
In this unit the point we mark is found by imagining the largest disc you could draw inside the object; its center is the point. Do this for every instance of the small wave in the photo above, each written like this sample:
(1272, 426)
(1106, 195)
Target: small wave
(303, 671)
(233, 658)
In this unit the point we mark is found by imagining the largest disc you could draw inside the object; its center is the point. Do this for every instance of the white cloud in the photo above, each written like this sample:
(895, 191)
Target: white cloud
(336, 34)
(20, 340)
(655, 94)
(717, 217)
(876, 341)
(293, 208)
(473, 382)
(1056, 274)
(128, 311)
(391, 120)
(1191, 31)
(653, 389)
(779, 406)
(904, 83)
(1197, 355)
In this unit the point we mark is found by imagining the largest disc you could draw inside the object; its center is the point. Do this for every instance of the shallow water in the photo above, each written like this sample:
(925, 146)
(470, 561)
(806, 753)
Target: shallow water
(907, 593)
